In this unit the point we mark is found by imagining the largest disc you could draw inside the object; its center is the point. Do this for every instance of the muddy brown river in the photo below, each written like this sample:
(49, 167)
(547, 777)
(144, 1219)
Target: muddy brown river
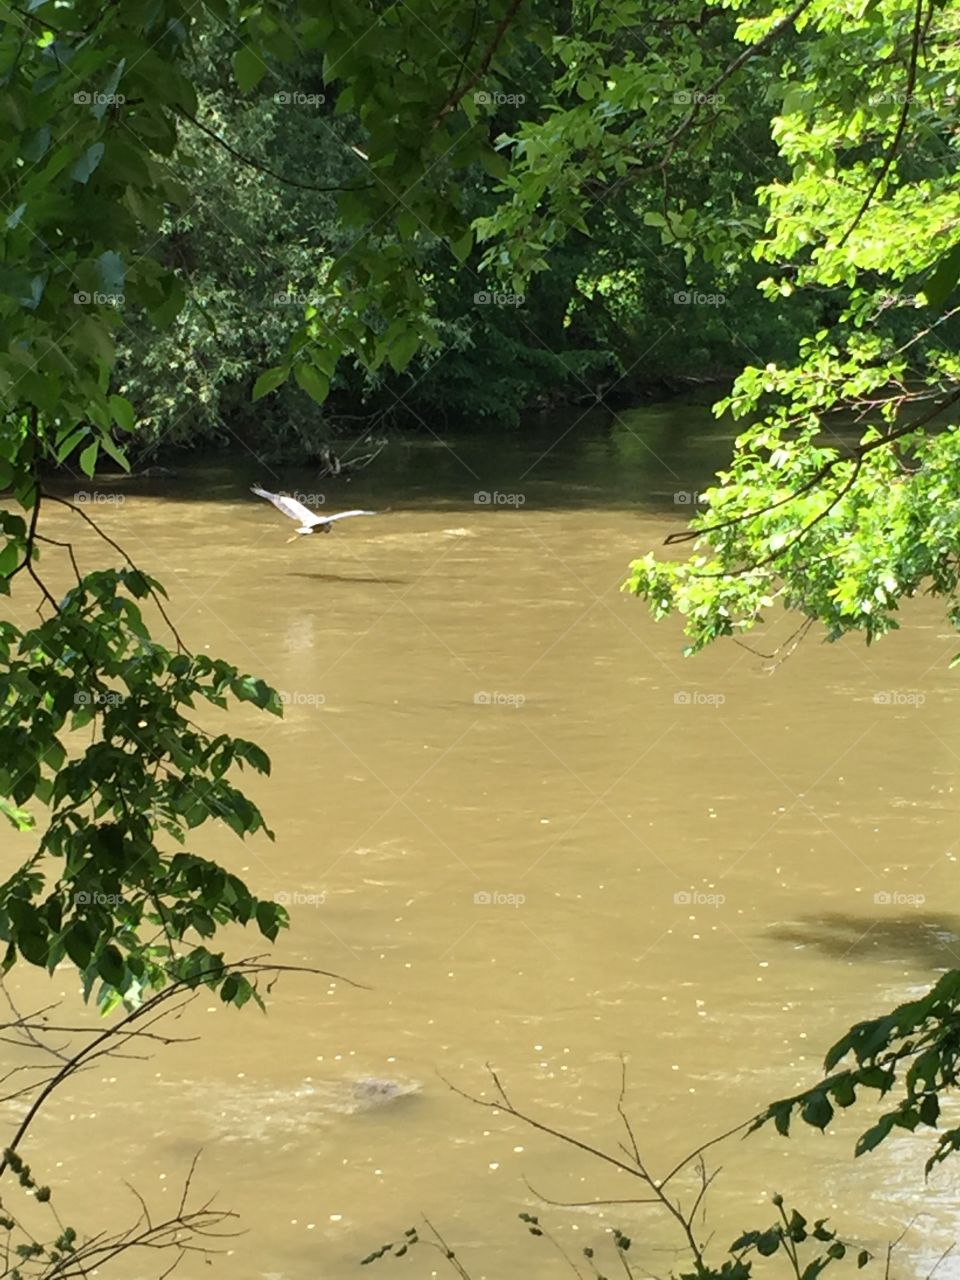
(539, 838)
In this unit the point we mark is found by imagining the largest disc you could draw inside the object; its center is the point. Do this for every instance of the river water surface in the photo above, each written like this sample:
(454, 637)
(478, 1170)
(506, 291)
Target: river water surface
(539, 838)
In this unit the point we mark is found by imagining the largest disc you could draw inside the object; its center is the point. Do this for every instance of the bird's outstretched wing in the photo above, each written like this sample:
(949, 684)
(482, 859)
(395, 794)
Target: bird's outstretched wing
(345, 515)
(290, 506)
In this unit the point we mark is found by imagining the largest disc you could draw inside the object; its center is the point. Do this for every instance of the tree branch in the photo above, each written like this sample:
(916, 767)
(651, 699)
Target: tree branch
(857, 455)
(154, 595)
(262, 168)
(459, 94)
(898, 135)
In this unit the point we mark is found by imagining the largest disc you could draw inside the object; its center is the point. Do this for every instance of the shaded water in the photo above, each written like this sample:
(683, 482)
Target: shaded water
(541, 839)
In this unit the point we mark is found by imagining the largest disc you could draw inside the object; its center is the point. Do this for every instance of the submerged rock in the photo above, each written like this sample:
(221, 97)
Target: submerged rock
(374, 1091)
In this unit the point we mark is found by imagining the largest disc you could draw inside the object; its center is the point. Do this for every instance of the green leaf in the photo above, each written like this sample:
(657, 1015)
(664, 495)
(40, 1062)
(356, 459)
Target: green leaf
(33, 292)
(781, 1113)
(19, 819)
(930, 1109)
(34, 944)
(402, 350)
(84, 166)
(817, 1110)
(10, 557)
(114, 451)
(35, 148)
(110, 967)
(248, 69)
(316, 385)
(69, 441)
(163, 313)
(108, 92)
(111, 272)
(88, 458)
(495, 163)
(80, 940)
(943, 281)
(874, 1135)
(844, 1093)
(269, 919)
(768, 1242)
(255, 756)
(269, 380)
(122, 411)
(797, 1227)
(461, 247)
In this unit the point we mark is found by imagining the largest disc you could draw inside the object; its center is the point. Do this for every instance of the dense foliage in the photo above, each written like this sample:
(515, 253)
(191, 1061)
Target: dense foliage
(119, 906)
(841, 500)
(601, 314)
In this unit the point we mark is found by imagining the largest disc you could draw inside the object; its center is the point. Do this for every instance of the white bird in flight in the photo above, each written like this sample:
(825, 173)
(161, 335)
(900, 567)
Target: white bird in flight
(310, 522)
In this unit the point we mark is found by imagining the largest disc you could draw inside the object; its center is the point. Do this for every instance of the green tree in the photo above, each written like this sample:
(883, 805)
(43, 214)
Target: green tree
(840, 499)
(87, 98)
(840, 502)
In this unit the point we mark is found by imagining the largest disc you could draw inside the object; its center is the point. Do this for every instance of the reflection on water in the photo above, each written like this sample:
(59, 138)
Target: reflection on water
(540, 838)
(923, 940)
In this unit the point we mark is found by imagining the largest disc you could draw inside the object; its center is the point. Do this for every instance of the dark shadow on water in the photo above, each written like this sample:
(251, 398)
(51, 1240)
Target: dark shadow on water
(339, 577)
(652, 459)
(918, 938)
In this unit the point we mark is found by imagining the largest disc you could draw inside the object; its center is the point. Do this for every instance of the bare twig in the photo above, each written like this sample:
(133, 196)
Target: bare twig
(634, 1165)
(105, 1042)
(894, 147)
(447, 1252)
(181, 647)
(946, 1253)
(857, 454)
(262, 168)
